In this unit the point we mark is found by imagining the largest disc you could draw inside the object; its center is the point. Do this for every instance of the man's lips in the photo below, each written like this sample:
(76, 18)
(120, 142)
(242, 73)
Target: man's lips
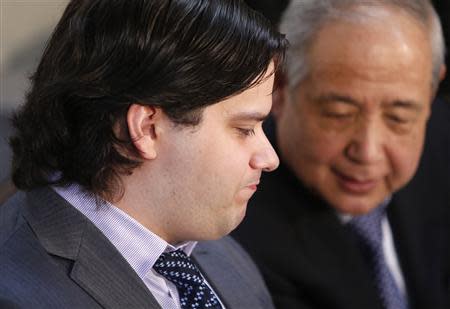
(356, 185)
(253, 186)
(247, 191)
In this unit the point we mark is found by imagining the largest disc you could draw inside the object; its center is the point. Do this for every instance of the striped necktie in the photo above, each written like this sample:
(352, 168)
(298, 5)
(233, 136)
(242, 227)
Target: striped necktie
(368, 231)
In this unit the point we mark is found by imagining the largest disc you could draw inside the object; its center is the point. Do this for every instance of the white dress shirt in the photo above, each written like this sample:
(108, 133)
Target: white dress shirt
(139, 246)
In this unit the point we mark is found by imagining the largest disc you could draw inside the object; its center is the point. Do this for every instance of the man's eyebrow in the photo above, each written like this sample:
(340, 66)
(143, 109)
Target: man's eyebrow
(248, 116)
(334, 97)
(409, 104)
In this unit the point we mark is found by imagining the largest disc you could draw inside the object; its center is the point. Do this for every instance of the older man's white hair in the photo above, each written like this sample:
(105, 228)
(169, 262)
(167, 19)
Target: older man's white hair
(304, 18)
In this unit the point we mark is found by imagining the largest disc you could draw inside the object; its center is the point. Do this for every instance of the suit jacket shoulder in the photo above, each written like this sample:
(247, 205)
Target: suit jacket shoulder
(53, 257)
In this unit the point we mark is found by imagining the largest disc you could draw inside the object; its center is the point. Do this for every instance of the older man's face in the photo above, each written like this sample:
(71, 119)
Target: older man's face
(353, 130)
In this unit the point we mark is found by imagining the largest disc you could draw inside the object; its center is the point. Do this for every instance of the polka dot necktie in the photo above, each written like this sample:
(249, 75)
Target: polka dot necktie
(367, 229)
(178, 268)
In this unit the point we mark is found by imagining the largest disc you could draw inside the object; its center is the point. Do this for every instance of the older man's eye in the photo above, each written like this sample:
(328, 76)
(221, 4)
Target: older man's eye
(335, 115)
(397, 119)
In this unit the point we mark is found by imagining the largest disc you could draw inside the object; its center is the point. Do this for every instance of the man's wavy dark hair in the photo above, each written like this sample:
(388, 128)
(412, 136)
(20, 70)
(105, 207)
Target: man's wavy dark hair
(104, 55)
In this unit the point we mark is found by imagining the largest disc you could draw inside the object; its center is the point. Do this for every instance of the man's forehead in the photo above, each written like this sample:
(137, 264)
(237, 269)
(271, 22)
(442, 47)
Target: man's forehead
(252, 104)
(372, 53)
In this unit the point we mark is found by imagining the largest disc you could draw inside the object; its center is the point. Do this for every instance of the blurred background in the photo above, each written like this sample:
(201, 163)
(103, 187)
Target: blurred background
(25, 26)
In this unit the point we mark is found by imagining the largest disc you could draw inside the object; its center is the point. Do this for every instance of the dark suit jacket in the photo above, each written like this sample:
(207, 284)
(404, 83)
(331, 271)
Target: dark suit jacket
(52, 256)
(310, 260)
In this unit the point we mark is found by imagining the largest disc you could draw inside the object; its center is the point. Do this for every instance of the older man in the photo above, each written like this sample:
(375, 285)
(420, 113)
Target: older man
(141, 135)
(348, 221)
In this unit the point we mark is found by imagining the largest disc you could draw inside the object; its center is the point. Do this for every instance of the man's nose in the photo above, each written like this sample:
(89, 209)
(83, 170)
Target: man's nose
(366, 145)
(265, 158)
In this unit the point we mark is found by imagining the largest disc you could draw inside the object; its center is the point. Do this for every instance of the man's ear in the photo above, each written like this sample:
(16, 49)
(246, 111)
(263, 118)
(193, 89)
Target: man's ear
(142, 121)
(279, 95)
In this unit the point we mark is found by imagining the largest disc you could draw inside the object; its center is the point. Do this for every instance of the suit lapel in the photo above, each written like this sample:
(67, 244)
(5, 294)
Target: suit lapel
(234, 287)
(104, 273)
(213, 274)
(322, 247)
(98, 267)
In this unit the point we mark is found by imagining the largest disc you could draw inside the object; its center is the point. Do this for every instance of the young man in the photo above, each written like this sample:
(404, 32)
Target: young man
(141, 135)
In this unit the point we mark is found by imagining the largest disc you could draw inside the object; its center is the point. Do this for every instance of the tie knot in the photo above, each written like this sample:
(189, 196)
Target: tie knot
(174, 259)
(178, 268)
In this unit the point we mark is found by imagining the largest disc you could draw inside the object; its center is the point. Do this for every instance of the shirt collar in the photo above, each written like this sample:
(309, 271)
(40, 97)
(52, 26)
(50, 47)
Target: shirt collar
(138, 245)
(345, 218)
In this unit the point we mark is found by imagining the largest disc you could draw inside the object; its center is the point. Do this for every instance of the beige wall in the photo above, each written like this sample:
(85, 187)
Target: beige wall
(25, 26)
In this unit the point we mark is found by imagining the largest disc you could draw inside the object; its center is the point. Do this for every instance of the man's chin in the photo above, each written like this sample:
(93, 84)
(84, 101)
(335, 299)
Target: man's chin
(239, 218)
(356, 206)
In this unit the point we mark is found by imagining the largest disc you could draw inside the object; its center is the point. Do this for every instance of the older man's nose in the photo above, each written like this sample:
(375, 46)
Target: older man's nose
(366, 145)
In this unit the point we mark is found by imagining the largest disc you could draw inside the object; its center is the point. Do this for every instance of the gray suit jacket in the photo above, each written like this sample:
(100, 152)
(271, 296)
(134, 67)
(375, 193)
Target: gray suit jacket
(52, 256)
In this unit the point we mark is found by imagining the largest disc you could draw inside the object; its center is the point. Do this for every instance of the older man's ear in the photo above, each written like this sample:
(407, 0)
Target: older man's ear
(443, 72)
(279, 94)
